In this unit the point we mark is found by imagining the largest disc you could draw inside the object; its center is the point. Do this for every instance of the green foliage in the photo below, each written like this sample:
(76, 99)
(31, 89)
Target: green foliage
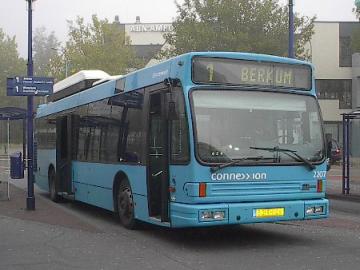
(10, 65)
(259, 26)
(355, 37)
(356, 9)
(97, 45)
(44, 47)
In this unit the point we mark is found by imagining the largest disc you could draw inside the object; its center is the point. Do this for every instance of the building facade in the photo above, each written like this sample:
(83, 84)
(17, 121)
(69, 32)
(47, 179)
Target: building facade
(147, 39)
(337, 73)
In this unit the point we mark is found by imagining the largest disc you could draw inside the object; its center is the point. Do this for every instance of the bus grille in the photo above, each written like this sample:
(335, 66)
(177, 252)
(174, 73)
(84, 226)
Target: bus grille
(263, 188)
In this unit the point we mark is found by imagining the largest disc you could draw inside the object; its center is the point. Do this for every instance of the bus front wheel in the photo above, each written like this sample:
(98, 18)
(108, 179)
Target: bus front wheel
(125, 205)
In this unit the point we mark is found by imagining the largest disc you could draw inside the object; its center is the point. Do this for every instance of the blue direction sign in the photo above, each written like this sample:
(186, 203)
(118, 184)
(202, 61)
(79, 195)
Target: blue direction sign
(29, 86)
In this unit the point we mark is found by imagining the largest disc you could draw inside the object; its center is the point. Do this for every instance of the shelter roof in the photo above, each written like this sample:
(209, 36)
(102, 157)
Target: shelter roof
(12, 113)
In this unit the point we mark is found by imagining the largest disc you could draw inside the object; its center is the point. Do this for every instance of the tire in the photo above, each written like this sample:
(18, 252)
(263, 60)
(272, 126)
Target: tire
(52, 186)
(125, 205)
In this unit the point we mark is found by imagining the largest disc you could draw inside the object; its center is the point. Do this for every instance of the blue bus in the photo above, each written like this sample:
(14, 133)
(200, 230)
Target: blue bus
(202, 139)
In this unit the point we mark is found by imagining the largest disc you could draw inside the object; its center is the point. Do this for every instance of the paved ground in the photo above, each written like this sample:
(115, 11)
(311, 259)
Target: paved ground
(77, 236)
(46, 211)
(334, 187)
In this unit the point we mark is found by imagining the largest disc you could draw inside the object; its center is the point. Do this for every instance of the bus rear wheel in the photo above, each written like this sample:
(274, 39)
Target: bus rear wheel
(125, 205)
(52, 186)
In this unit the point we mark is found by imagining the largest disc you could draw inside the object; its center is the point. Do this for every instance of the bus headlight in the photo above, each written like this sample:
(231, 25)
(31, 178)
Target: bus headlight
(219, 215)
(319, 209)
(310, 210)
(212, 215)
(206, 215)
(314, 210)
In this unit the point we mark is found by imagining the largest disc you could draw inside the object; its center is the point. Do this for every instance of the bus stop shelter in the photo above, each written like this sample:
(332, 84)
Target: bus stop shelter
(347, 119)
(10, 114)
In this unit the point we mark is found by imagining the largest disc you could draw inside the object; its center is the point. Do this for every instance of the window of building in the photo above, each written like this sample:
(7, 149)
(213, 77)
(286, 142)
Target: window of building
(335, 89)
(345, 52)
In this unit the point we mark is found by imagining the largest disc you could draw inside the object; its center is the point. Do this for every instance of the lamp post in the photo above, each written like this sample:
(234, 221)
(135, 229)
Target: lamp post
(63, 51)
(30, 200)
(291, 29)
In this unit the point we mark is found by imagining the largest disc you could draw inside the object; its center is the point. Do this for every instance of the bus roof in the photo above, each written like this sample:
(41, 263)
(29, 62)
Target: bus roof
(172, 68)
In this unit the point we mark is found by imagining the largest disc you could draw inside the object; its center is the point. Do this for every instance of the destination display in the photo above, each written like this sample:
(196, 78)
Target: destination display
(243, 72)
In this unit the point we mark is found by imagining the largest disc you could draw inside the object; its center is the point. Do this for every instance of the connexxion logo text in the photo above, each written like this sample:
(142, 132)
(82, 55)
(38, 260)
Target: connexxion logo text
(238, 176)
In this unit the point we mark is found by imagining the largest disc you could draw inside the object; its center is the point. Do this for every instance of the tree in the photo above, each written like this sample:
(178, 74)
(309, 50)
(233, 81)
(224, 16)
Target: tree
(355, 37)
(11, 64)
(44, 47)
(97, 45)
(356, 9)
(259, 26)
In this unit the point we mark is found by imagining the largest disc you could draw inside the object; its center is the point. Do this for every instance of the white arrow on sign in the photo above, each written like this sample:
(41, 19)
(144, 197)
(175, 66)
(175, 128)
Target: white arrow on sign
(17, 89)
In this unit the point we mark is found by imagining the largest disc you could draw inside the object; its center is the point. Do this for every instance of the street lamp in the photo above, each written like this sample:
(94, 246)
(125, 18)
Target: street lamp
(291, 29)
(63, 51)
(30, 200)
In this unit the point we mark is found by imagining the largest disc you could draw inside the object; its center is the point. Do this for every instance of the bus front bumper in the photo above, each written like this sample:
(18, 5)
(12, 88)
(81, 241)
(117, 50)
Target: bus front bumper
(202, 215)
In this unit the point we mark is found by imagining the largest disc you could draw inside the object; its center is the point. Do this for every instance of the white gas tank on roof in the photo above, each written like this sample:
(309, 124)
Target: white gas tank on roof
(78, 82)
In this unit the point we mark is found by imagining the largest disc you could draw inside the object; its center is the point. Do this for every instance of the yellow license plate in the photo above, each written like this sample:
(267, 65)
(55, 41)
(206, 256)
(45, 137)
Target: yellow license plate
(269, 212)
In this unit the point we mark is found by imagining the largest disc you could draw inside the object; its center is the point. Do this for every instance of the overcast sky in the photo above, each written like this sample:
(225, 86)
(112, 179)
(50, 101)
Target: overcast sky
(53, 14)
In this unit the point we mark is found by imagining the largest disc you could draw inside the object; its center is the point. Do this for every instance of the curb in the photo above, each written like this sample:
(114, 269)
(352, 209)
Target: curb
(349, 197)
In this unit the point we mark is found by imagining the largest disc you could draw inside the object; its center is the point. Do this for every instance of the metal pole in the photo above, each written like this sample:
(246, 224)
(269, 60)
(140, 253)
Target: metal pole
(291, 29)
(8, 143)
(24, 141)
(66, 67)
(30, 200)
(344, 154)
(347, 184)
(63, 51)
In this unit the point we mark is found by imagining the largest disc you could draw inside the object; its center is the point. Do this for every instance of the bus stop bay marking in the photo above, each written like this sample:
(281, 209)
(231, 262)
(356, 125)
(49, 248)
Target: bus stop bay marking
(238, 176)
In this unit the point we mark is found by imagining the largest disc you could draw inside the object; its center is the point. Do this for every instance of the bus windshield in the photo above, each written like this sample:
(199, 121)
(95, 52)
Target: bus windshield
(230, 125)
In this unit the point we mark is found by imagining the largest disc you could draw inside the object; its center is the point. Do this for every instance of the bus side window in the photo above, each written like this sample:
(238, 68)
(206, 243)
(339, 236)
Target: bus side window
(179, 130)
(128, 109)
(133, 137)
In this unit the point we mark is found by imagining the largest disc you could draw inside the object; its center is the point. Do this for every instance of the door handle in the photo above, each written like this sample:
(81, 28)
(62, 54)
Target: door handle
(157, 174)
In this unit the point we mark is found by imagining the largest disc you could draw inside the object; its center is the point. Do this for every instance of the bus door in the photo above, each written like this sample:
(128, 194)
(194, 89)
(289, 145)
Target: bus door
(158, 161)
(65, 138)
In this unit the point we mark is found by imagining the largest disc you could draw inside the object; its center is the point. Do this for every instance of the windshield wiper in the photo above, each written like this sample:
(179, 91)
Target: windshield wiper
(288, 152)
(233, 162)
